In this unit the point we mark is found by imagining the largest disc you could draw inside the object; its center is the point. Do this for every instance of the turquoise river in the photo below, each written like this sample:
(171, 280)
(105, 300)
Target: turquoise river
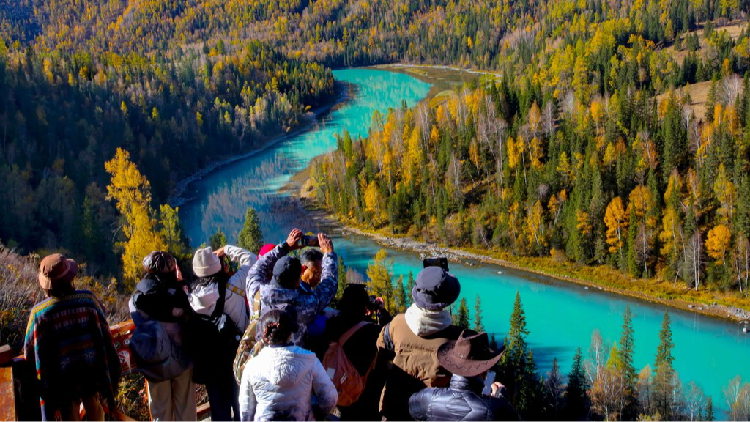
(561, 317)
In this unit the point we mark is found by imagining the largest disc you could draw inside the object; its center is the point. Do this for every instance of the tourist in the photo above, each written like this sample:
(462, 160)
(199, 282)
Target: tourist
(69, 344)
(284, 273)
(219, 301)
(469, 359)
(412, 339)
(280, 381)
(312, 269)
(360, 348)
(160, 309)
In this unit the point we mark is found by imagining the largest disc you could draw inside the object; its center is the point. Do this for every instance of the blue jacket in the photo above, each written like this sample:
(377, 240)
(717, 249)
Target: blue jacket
(307, 305)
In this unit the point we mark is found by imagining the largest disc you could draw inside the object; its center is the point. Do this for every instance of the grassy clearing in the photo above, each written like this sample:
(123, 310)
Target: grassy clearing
(698, 97)
(733, 30)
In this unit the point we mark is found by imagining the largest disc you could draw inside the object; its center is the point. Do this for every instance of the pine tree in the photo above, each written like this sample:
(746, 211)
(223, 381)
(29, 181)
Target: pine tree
(478, 326)
(553, 391)
(399, 296)
(217, 240)
(626, 366)
(250, 237)
(342, 279)
(664, 374)
(409, 287)
(575, 392)
(513, 365)
(709, 416)
(461, 318)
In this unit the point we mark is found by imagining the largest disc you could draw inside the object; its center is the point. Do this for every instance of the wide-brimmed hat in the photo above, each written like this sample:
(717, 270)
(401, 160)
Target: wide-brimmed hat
(468, 356)
(435, 289)
(206, 263)
(56, 271)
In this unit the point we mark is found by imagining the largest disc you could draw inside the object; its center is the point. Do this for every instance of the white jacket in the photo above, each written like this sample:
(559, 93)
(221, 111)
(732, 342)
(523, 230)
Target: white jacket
(279, 383)
(203, 298)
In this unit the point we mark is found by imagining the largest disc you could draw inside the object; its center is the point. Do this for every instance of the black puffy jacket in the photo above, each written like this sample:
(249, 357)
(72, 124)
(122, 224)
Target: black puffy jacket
(462, 401)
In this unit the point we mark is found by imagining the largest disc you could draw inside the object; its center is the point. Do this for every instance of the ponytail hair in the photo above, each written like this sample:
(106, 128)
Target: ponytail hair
(278, 325)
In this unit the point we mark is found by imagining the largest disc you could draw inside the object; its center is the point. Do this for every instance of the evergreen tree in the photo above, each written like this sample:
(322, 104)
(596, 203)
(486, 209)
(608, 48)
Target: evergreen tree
(709, 415)
(626, 366)
(478, 326)
(409, 287)
(342, 279)
(576, 406)
(217, 240)
(553, 392)
(461, 318)
(400, 296)
(664, 374)
(250, 236)
(513, 364)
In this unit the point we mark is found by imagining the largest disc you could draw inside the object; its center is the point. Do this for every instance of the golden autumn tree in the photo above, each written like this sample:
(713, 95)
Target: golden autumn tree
(726, 194)
(616, 221)
(380, 278)
(131, 192)
(718, 241)
(535, 225)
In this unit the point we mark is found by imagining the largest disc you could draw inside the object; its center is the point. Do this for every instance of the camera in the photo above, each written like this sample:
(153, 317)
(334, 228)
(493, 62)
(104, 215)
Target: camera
(441, 262)
(309, 241)
(373, 305)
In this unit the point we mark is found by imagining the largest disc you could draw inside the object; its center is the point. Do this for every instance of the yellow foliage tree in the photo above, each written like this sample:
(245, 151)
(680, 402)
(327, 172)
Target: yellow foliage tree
(380, 278)
(718, 242)
(132, 193)
(535, 224)
(373, 201)
(616, 221)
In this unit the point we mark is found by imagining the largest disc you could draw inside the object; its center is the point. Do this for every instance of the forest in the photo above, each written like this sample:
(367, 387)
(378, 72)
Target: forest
(580, 160)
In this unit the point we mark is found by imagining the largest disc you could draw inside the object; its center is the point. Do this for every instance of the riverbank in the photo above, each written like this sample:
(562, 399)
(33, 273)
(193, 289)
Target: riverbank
(601, 277)
(445, 80)
(344, 93)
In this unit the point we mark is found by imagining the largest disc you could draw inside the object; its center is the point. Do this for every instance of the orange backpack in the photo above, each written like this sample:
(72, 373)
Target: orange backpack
(349, 383)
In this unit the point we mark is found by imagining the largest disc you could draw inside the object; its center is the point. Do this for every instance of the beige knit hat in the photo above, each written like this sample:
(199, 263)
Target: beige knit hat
(205, 263)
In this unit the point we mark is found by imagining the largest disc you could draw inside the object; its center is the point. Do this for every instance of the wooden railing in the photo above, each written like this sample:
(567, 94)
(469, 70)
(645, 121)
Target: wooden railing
(19, 399)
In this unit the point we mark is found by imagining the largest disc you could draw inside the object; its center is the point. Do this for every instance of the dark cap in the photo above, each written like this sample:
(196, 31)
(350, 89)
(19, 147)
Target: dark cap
(159, 262)
(56, 271)
(435, 289)
(287, 272)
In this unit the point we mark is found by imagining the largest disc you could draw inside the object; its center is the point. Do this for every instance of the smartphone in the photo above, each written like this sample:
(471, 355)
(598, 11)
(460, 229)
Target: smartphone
(441, 262)
(309, 241)
(488, 383)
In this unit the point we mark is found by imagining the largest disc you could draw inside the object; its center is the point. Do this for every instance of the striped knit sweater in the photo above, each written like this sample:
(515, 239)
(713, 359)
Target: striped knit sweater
(69, 344)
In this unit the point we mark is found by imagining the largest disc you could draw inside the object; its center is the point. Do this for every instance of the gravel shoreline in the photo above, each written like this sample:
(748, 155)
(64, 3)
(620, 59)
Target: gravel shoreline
(472, 259)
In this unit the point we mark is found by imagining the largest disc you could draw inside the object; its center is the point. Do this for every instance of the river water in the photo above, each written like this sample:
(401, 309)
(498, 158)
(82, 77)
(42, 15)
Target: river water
(561, 317)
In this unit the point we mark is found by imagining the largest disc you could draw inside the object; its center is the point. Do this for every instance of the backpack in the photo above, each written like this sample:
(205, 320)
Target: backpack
(156, 356)
(214, 340)
(347, 380)
(249, 347)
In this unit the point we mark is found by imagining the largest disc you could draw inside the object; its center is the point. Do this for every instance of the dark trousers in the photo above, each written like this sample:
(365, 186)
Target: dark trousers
(223, 396)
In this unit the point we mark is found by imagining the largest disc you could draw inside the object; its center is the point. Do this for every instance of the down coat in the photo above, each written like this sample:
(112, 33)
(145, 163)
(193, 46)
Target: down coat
(279, 384)
(462, 401)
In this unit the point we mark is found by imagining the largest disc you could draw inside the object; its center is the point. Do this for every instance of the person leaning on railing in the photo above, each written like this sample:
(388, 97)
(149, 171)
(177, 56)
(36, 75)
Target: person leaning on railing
(69, 344)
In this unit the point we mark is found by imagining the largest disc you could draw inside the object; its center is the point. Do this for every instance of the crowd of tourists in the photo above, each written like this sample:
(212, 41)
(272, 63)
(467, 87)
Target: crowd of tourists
(261, 333)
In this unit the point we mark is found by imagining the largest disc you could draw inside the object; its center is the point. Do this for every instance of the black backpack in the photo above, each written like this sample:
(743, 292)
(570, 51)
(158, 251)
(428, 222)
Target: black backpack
(214, 340)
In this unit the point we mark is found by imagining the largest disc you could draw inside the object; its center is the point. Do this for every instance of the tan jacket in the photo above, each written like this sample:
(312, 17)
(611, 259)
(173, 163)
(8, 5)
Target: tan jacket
(415, 365)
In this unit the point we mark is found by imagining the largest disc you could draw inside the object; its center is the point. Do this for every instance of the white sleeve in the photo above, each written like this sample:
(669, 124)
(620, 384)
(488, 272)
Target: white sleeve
(246, 260)
(247, 397)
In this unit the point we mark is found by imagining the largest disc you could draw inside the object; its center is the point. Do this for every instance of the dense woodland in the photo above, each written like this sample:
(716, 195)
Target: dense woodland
(575, 156)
